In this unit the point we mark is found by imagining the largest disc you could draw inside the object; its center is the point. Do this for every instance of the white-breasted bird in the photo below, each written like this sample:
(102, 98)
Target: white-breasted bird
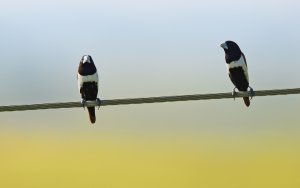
(87, 78)
(237, 68)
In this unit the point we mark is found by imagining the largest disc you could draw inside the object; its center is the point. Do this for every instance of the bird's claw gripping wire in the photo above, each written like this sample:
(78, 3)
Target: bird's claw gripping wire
(83, 103)
(98, 103)
(234, 93)
(251, 92)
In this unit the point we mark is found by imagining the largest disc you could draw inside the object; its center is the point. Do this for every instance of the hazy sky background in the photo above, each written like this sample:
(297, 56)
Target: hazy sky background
(143, 49)
(148, 48)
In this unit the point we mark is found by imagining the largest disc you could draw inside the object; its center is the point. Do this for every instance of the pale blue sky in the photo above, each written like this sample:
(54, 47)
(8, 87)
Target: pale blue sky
(150, 48)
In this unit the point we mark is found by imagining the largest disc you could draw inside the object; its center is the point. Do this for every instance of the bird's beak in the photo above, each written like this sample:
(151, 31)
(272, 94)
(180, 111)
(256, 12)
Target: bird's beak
(85, 59)
(224, 46)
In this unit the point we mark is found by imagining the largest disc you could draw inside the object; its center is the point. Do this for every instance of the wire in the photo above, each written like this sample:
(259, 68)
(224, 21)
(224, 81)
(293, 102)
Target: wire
(148, 100)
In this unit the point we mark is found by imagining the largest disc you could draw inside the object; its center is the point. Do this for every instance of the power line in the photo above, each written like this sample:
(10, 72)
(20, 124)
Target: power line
(148, 100)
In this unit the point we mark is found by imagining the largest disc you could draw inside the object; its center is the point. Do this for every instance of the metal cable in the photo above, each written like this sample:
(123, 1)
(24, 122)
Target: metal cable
(148, 100)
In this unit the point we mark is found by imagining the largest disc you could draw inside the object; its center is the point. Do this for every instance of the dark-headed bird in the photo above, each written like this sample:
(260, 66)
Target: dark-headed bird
(87, 78)
(237, 69)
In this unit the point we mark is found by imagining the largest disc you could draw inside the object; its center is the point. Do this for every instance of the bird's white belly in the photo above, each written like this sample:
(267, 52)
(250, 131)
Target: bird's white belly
(88, 78)
(239, 63)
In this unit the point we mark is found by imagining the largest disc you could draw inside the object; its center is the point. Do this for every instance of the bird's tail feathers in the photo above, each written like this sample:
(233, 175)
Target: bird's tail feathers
(92, 114)
(246, 101)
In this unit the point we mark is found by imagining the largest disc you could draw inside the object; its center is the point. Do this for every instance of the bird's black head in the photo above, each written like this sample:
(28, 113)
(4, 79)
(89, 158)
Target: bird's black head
(232, 51)
(86, 59)
(86, 66)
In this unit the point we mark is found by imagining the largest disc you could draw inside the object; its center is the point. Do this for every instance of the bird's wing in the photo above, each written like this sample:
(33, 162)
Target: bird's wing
(232, 80)
(245, 67)
(245, 59)
(79, 81)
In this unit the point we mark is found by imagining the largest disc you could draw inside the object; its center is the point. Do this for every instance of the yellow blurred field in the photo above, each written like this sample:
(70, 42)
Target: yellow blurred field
(148, 161)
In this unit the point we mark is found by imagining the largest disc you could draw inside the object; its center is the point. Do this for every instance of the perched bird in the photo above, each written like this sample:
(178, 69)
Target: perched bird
(237, 69)
(87, 78)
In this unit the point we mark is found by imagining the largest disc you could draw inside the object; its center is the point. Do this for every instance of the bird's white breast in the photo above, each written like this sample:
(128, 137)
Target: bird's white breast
(88, 78)
(239, 63)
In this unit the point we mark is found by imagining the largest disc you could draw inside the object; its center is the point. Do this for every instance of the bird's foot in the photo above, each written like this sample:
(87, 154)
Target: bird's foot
(234, 93)
(98, 103)
(251, 92)
(83, 103)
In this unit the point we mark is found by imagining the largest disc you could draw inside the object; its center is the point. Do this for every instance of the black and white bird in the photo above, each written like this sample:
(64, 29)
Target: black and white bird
(87, 78)
(237, 68)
